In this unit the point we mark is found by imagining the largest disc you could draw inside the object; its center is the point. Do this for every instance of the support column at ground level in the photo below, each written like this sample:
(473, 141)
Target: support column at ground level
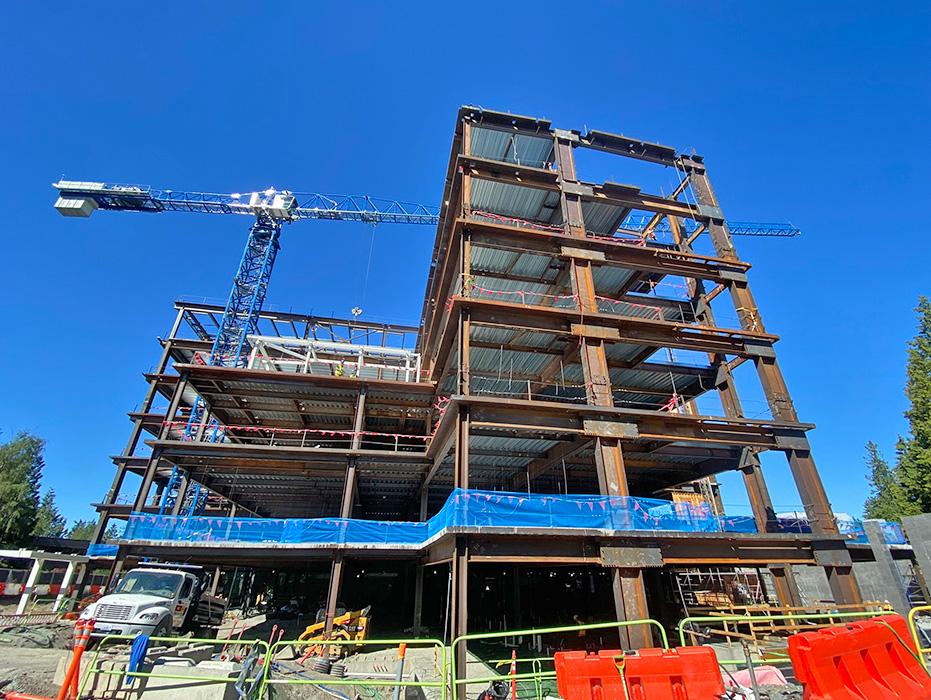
(786, 586)
(30, 584)
(65, 582)
(419, 567)
(459, 611)
(630, 603)
(844, 585)
(418, 598)
(214, 584)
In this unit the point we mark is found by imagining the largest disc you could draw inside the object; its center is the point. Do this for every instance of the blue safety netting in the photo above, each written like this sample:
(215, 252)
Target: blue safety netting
(463, 508)
(846, 524)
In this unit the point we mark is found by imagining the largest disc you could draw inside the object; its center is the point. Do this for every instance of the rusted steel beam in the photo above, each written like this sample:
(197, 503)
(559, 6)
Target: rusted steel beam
(619, 251)
(552, 417)
(201, 373)
(629, 329)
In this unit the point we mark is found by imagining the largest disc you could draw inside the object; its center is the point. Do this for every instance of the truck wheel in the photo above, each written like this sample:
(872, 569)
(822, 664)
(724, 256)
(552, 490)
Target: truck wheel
(162, 629)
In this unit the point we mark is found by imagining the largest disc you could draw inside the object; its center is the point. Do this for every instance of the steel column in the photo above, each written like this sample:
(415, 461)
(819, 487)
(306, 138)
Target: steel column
(786, 586)
(152, 466)
(459, 611)
(461, 467)
(627, 585)
(182, 493)
(630, 599)
(345, 511)
(810, 487)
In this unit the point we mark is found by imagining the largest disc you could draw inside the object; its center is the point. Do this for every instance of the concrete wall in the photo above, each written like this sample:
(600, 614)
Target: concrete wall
(871, 579)
(814, 589)
(812, 585)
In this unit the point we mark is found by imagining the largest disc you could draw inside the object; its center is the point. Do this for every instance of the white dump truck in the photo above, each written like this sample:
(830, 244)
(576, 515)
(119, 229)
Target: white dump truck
(159, 600)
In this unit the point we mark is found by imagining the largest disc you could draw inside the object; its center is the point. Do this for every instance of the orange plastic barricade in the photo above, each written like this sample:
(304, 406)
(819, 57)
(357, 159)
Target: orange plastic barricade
(685, 673)
(863, 660)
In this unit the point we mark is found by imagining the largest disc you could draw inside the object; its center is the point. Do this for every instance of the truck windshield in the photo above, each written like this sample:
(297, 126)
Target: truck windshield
(157, 583)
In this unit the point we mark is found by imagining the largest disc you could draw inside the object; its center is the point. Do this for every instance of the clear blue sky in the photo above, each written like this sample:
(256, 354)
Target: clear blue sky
(815, 113)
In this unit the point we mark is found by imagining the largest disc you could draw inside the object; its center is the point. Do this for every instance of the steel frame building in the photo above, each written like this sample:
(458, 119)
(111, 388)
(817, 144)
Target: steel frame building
(547, 361)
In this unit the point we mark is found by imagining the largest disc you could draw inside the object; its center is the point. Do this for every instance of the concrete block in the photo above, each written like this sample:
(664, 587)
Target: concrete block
(884, 576)
(190, 686)
(918, 532)
(198, 652)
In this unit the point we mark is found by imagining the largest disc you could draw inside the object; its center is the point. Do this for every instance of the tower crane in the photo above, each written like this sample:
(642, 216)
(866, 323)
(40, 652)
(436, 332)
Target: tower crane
(270, 210)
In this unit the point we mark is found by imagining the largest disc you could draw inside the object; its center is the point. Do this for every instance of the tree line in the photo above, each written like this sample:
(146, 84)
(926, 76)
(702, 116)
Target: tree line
(25, 513)
(904, 487)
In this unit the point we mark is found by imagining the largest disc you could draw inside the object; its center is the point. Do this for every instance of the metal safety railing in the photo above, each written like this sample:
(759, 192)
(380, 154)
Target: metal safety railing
(731, 624)
(539, 677)
(921, 638)
(265, 666)
(278, 675)
(248, 679)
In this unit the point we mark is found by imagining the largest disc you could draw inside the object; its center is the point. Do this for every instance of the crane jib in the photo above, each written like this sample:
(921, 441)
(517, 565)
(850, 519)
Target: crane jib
(81, 199)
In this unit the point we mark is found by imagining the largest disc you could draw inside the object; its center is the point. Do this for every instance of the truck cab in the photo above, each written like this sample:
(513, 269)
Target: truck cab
(155, 601)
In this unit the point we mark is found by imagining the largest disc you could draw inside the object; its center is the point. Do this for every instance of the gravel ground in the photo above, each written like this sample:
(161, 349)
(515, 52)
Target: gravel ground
(30, 670)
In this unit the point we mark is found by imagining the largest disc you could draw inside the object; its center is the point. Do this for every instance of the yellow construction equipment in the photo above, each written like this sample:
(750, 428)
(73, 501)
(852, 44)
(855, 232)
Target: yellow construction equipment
(351, 626)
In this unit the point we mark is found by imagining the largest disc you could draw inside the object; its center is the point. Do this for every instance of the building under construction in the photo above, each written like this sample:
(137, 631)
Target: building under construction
(538, 438)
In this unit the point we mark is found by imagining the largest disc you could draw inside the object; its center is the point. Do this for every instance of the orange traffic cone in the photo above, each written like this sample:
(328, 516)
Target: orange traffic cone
(82, 634)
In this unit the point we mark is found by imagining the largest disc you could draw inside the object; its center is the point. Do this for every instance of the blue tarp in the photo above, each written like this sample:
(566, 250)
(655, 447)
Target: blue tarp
(102, 550)
(852, 527)
(463, 508)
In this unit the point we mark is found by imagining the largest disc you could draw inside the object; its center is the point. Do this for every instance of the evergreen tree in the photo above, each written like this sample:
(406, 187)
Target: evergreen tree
(49, 521)
(887, 497)
(82, 530)
(914, 451)
(21, 465)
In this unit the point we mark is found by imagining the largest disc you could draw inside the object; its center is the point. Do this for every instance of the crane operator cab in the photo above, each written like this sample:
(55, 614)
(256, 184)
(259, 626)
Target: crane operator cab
(274, 204)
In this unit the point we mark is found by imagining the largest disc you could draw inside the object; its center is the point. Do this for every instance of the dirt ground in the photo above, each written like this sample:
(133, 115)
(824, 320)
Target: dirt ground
(30, 670)
(54, 636)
